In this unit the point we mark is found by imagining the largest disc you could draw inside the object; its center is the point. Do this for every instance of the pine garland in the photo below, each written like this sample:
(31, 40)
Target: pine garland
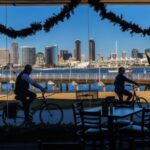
(66, 12)
(100, 8)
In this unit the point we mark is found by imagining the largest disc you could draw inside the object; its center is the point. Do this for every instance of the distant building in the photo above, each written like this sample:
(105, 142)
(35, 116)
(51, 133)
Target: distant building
(140, 55)
(91, 50)
(78, 50)
(113, 56)
(51, 55)
(134, 53)
(40, 59)
(124, 55)
(14, 53)
(147, 50)
(67, 56)
(4, 56)
(28, 55)
(63, 52)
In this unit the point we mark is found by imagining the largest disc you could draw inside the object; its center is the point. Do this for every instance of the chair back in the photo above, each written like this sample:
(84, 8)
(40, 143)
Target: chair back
(146, 119)
(91, 119)
(77, 107)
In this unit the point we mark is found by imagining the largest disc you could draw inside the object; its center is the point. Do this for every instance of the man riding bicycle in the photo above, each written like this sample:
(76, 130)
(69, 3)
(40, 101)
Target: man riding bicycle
(22, 90)
(120, 85)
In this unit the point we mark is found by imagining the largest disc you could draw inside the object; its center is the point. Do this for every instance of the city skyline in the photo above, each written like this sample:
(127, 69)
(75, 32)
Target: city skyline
(95, 56)
(84, 25)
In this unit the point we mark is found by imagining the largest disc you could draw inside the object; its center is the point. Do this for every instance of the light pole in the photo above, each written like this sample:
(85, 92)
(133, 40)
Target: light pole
(98, 61)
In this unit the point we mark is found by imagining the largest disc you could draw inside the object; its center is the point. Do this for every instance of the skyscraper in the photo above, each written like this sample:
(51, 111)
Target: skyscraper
(28, 55)
(78, 50)
(124, 55)
(91, 50)
(134, 53)
(51, 55)
(40, 59)
(4, 56)
(14, 53)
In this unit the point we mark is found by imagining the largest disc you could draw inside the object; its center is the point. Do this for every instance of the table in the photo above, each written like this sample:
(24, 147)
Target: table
(118, 112)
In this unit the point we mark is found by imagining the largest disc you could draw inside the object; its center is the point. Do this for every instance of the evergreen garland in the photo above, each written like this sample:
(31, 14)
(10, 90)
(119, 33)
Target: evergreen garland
(66, 12)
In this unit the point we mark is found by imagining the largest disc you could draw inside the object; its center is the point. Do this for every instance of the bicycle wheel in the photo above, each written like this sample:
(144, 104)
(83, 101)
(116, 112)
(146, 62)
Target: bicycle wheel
(142, 103)
(16, 120)
(51, 114)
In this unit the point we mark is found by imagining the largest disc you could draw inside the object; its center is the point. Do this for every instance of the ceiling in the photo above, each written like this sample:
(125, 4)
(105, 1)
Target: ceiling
(62, 2)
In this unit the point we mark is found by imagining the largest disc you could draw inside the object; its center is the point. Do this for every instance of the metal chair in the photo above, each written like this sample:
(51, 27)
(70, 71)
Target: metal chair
(138, 133)
(92, 128)
(77, 107)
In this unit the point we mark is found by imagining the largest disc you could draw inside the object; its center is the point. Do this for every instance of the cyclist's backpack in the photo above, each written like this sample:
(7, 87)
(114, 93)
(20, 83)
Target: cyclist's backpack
(10, 109)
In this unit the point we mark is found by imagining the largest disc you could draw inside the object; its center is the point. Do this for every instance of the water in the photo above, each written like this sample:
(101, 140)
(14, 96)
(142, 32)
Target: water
(8, 87)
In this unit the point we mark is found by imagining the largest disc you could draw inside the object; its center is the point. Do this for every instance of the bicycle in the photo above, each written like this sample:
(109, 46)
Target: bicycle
(136, 101)
(48, 113)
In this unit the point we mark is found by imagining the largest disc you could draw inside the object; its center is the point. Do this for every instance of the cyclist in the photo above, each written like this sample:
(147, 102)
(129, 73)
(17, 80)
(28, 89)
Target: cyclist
(22, 91)
(120, 85)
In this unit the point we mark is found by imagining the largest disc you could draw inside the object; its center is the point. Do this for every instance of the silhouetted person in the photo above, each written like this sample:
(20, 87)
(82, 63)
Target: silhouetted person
(22, 90)
(120, 85)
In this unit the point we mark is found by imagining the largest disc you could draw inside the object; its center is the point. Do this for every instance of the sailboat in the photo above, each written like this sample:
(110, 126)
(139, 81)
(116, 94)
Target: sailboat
(115, 69)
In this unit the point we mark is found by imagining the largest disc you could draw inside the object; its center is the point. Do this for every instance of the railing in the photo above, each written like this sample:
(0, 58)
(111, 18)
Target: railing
(84, 76)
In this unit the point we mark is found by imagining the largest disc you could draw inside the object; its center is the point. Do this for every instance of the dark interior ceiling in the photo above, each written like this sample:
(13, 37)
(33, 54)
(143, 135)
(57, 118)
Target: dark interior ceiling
(62, 2)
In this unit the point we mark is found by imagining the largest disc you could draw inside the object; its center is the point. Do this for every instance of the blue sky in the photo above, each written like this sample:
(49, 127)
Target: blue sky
(78, 27)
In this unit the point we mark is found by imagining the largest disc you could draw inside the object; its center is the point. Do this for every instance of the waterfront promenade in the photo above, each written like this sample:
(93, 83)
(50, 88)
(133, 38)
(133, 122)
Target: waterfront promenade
(72, 95)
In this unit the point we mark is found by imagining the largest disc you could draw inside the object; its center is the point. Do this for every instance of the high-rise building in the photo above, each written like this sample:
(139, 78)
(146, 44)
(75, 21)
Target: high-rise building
(124, 55)
(62, 52)
(51, 55)
(14, 53)
(140, 55)
(4, 56)
(28, 55)
(78, 50)
(40, 59)
(91, 50)
(134, 53)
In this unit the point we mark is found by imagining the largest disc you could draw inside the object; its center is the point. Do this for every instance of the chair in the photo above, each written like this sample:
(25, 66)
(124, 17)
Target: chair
(138, 133)
(77, 107)
(92, 128)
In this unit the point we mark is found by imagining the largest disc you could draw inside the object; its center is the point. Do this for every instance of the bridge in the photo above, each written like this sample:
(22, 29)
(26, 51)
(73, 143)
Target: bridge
(79, 78)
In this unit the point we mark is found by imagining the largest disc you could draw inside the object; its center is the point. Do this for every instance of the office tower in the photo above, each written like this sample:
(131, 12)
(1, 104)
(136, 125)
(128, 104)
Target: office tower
(140, 55)
(28, 55)
(51, 55)
(124, 55)
(63, 53)
(134, 53)
(4, 56)
(14, 53)
(40, 59)
(91, 50)
(78, 50)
